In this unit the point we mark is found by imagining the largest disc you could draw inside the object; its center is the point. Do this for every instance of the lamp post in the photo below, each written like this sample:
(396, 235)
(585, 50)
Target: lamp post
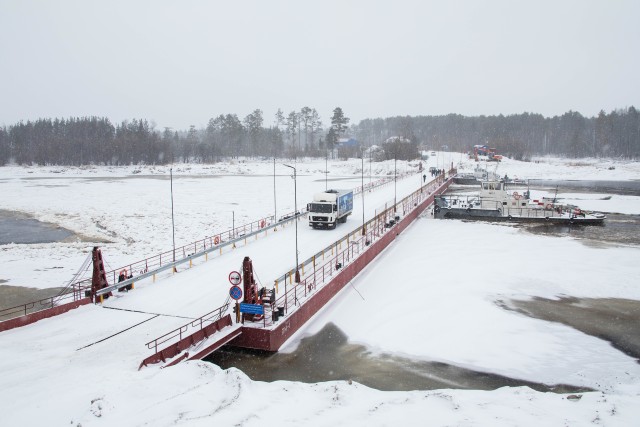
(173, 226)
(362, 183)
(295, 212)
(326, 168)
(370, 159)
(422, 175)
(275, 210)
(395, 182)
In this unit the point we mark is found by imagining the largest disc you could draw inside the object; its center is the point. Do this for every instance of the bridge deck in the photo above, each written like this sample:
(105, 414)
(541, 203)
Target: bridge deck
(124, 323)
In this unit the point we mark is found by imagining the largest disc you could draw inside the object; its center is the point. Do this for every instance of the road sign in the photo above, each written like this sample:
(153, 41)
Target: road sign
(251, 308)
(235, 292)
(235, 278)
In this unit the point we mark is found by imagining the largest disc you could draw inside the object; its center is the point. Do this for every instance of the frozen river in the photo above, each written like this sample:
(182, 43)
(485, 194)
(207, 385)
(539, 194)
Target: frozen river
(448, 305)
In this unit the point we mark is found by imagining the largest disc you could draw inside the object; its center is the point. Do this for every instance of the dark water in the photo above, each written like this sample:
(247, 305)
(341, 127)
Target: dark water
(19, 228)
(328, 356)
(11, 296)
(612, 319)
(629, 188)
(617, 229)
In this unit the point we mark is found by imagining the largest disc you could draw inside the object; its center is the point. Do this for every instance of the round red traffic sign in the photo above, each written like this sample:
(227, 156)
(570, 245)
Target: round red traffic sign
(235, 278)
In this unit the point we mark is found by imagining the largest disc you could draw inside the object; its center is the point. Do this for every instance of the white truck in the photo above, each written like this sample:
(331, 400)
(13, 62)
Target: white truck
(330, 207)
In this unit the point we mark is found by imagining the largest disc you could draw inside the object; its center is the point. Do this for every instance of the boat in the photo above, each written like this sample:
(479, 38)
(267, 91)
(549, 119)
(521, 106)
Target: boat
(478, 175)
(514, 181)
(496, 203)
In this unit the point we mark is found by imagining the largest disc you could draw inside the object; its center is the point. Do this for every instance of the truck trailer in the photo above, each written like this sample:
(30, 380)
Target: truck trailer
(330, 207)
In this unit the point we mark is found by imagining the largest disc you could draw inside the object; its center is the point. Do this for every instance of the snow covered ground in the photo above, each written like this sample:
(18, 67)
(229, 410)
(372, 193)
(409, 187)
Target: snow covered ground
(448, 282)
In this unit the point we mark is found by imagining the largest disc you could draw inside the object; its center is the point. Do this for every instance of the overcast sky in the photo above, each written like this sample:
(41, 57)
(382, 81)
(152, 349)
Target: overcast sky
(180, 63)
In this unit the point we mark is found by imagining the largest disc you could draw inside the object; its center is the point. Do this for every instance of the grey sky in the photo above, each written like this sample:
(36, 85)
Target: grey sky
(182, 62)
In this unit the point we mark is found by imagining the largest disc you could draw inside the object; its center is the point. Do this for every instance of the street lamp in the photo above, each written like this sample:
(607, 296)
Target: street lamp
(295, 215)
(173, 226)
(326, 168)
(370, 159)
(395, 181)
(362, 183)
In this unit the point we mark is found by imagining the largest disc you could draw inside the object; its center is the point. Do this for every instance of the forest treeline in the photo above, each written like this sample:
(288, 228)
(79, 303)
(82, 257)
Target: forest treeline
(520, 136)
(96, 140)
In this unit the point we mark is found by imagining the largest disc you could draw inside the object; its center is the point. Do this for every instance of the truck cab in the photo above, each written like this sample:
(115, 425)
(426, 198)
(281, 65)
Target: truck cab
(329, 208)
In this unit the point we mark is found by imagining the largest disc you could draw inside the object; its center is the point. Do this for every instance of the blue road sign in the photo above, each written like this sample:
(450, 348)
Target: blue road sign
(251, 308)
(235, 292)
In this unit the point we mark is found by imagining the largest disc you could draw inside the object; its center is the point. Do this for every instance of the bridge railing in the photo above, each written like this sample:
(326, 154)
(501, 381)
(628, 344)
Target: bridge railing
(182, 252)
(74, 293)
(338, 258)
(77, 290)
(188, 328)
(326, 272)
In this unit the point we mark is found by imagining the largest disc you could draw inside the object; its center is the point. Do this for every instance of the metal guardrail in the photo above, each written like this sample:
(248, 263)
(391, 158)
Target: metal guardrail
(75, 293)
(430, 186)
(178, 333)
(196, 255)
(146, 266)
(157, 264)
(222, 244)
(356, 243)
(181, 332)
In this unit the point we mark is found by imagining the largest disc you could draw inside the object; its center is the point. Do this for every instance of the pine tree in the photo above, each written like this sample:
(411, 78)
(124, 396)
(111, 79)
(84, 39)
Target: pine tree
(339, 122)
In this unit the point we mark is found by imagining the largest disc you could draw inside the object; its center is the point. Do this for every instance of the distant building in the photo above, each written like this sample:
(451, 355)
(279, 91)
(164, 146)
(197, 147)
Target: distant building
(393, 139)
(347, 142)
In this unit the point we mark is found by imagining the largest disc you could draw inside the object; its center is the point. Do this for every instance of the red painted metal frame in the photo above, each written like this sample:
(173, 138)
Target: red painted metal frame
(272, 339)
(225, 339)
(179, 333)
(78, 289)
(356, 245)
(186, 342)
(30, 318)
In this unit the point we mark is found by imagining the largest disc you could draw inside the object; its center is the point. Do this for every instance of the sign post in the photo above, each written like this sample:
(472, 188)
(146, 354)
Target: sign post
(236, 293)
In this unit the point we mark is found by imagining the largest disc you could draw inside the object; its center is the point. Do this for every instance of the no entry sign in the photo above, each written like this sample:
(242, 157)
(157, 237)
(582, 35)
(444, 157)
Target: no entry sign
(235, 278)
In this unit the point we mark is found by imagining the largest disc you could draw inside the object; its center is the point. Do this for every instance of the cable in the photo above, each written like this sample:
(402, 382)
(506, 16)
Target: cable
(71, 282)
(117, 333)
(146, 312)
(354, 288)
(257, 278)
(106, 264)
